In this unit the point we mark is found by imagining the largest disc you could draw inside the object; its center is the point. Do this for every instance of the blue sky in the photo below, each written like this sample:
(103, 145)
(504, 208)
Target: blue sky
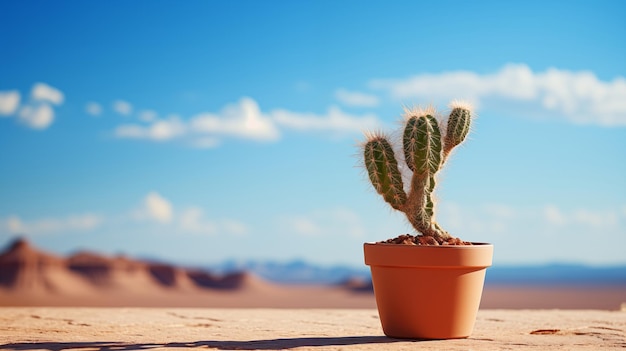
(201, 131)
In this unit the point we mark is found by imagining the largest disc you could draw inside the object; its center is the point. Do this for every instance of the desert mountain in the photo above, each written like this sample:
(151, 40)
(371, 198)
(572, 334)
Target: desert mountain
(32, 277)
(22, 267)
(29, 275)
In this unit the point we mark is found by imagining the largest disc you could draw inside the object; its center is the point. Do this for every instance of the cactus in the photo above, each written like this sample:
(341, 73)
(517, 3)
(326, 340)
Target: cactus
(382, 168)
(458, 126)
(425, 151)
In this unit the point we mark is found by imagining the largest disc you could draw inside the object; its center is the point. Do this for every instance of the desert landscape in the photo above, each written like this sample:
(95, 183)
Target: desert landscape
(32, 277)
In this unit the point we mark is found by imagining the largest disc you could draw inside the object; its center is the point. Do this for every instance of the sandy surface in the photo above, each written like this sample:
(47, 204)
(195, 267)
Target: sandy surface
(277, 296)
(299, 329)
(547, 297)
(266, 296)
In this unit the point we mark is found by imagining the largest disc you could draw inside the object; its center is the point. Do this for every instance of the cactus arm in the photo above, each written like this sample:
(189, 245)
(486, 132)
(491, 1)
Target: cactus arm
(458, 127)
(382, 169)
(422, 146)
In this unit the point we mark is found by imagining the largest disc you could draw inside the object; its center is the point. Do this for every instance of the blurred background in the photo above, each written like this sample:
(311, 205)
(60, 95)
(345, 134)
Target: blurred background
(225, 134)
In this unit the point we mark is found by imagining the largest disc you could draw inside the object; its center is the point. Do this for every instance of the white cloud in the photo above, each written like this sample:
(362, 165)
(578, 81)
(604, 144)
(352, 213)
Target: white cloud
(243, 119)
(37, 116)
(122, 107)
(353, 98)
(500, 211)
(348, 222)
(337, 221)
(485, 220)
(578, 96)
(503, 219)
(154, 209)
(234, 227)
(301, 225)
(93, 108)
(192, 220)
(45, 93)
(147, 116)
(541, 233)
(37, 113)
(157, 208)
(581, 217)
(166, 129)
(15, 225)
(84, 222)
(132, 131)
(595, 219)
(553, 215)
(335, 120)
(159, 130)
(9, 102)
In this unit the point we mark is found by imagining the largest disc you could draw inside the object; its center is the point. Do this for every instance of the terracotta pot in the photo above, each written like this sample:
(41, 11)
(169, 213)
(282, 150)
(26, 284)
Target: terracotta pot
(428, 292)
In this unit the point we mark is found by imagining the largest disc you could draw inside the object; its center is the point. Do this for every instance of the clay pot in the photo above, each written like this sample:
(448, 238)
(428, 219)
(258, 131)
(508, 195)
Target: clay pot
(428, 292)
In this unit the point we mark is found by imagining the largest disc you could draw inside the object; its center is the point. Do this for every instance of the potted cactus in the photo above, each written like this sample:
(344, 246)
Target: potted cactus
(427, 286)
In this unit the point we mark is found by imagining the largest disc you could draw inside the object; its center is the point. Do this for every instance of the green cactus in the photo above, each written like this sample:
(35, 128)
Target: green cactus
(458, 126)
(382, 169)
(425, 151)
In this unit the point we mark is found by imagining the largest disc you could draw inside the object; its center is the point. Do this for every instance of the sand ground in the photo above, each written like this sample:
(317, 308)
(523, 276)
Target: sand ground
(61, 329)
(275, 296)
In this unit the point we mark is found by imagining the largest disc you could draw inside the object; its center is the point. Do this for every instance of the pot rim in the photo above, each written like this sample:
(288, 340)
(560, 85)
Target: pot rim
(478, 255)
(479, 244)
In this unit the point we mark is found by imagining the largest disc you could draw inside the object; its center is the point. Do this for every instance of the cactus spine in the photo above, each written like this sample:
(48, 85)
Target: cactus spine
(425, 151)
